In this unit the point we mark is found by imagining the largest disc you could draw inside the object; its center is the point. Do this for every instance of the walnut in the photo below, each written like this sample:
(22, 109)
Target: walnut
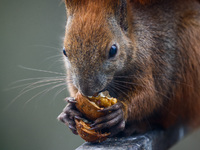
(88, 135)
(89, 107)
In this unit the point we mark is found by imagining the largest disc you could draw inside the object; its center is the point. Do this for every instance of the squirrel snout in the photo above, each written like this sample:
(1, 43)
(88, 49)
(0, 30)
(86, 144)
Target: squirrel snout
(90, 85)
(86, 90)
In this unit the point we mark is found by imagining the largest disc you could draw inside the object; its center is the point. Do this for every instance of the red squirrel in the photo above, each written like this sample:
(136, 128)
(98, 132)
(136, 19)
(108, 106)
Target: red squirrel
(146, 53)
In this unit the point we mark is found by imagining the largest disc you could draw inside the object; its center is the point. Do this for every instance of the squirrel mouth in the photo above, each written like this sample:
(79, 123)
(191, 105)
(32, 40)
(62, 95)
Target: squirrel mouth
(101, 94)
(98, 93)
(106, 92)
(103, 99)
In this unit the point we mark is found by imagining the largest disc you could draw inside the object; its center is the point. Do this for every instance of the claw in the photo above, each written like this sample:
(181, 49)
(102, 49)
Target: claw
(79, 118)
(61, 117)
(113, 121)
(75, 132)
(93, 128)
(107, 117)
(92, 125)
(108, 124)
(69, 114)
(72, 128)
(71, 100)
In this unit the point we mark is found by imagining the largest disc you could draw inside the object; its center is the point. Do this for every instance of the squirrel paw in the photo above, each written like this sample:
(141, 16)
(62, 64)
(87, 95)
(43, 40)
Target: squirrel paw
(113, 120)
(69, 114)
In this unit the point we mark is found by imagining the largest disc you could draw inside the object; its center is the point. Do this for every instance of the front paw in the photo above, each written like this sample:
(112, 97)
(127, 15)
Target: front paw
(69, 114)
(113, 120)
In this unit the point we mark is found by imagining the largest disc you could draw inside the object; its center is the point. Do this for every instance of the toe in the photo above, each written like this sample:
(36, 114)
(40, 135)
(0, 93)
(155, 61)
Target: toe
(107, 117)
(108, 124)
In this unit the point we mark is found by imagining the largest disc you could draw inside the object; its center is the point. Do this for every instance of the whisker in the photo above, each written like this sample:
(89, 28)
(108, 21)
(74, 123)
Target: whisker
(59, 91)
(15, 87)
(55, 56)
(41, 81)
(38, 78)
(46, 46)
(121, 85)
(24, 92)
(144, 87)
(44, 92)
(182, 83)
(57, 61)
(118, 88)
(111, 89)
(160, 103)
(119, 81)
(38, 70)
(173, 81)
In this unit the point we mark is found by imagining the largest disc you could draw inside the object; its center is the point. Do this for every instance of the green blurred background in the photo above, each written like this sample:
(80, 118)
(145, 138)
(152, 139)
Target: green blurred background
(31, 35)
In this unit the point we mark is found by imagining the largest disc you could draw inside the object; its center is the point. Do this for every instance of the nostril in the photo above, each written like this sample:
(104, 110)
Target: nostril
(88, 92)
(89, 87)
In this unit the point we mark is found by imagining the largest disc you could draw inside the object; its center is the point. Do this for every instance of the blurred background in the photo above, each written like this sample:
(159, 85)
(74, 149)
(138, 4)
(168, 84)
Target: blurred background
(31, 78)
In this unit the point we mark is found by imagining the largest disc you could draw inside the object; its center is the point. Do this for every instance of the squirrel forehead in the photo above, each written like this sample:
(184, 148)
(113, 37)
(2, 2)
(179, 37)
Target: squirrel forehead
(108, 6)
(83, 45)
(87, 31)
(87, 40)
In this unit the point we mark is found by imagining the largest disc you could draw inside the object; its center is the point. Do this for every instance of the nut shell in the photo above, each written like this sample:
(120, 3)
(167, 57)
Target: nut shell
(88, 108)
(88, 135)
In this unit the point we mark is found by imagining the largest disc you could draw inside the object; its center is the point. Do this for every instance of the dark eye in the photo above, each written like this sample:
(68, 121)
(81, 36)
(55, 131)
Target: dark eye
(64, 52)
(113, 51)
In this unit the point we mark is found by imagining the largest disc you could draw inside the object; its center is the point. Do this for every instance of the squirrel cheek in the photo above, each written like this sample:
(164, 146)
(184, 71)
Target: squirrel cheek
(67, 63)
(117, 66)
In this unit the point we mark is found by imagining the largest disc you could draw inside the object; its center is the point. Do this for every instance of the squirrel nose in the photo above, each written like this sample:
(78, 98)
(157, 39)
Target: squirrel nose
(87, 91)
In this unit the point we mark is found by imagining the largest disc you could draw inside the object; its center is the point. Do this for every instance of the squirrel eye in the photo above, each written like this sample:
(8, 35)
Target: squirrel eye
(64, 52)
(113, 51)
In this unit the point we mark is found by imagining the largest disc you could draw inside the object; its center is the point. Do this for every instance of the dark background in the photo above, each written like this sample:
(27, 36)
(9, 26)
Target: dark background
(31, 35)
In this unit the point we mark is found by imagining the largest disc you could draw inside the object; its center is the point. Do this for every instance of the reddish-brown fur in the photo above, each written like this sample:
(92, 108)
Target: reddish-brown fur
(157, 100)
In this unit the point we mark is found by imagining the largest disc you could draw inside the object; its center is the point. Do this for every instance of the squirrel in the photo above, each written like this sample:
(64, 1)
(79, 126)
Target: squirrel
(146, 53)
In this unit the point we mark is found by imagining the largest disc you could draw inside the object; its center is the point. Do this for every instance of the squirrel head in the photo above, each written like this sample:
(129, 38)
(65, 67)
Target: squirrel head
(107, 39)
(95, 43)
